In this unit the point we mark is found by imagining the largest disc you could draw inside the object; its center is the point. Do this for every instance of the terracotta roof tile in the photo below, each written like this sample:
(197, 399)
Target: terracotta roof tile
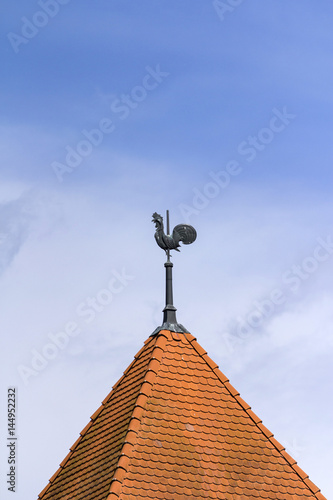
(173, 427)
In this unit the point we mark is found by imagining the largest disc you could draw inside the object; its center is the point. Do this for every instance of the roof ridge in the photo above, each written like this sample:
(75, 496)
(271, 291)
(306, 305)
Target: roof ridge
(270, 436)
(92, 419)
(135, 421)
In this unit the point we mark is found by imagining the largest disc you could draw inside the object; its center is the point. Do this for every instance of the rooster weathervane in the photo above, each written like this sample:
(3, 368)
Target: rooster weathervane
(182, 232)
(186, 234)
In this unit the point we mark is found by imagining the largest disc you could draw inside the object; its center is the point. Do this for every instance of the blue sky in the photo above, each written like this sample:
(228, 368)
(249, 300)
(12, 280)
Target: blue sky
(114, 110)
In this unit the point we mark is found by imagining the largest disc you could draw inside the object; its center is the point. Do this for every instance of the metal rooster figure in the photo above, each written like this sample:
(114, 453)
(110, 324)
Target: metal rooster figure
(183, 232)
(186, 234)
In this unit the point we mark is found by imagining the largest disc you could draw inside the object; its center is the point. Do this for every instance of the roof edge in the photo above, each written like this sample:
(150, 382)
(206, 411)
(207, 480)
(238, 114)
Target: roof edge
(270, 436)
(71, 450)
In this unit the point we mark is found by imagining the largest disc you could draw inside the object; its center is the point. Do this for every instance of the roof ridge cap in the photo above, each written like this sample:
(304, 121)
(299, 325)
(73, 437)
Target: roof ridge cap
(92, 419)
(136, 357)
(135, 420)
(281, 449)
(277, 445)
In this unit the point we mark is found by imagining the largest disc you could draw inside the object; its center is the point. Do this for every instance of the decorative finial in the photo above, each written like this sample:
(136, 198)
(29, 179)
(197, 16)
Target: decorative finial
(186, 234)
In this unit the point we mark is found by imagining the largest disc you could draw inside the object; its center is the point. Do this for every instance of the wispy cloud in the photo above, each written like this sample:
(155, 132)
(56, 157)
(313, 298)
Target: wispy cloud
(16, 218)
(31, 210)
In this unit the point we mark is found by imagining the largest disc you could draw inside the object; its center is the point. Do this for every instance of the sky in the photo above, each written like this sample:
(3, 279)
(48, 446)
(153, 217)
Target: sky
(221, 112)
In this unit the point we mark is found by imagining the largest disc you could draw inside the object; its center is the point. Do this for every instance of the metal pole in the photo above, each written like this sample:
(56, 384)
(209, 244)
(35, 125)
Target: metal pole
(168, 233)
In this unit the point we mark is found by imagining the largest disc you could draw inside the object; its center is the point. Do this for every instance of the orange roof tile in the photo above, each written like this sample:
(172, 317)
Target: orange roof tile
(173, 427)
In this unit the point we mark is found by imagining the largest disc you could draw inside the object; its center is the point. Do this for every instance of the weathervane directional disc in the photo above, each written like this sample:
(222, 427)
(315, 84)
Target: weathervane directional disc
(186, 234)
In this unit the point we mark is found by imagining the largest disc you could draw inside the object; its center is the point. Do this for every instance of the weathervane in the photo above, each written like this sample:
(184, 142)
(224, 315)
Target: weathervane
(186, 234)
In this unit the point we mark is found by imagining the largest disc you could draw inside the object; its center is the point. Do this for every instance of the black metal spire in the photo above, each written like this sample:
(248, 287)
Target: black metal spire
(186, 234)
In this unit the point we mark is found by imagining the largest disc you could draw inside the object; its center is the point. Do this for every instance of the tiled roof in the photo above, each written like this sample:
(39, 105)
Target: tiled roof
(174, 428)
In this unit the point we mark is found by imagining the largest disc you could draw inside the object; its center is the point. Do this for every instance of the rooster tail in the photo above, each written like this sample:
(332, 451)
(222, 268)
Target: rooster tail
(186, 233)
